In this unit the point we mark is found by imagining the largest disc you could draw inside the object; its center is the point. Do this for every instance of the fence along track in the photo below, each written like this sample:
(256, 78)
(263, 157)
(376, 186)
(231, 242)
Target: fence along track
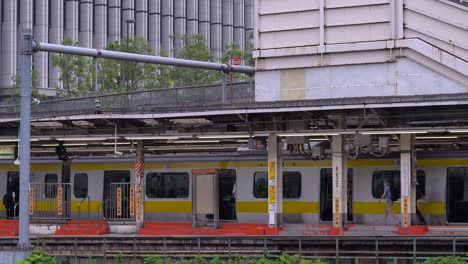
(328, 248)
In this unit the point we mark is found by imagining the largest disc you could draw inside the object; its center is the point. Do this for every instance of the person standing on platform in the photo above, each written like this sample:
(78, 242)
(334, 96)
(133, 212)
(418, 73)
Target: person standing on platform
(388, 195)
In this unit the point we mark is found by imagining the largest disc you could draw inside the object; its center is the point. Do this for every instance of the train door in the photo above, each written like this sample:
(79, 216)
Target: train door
(227, 194)
(13, 179)
(326, 195)
(111, 180)
(457, 195)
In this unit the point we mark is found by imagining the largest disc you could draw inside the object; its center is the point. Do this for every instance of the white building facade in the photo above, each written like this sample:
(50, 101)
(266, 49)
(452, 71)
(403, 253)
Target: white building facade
(321, 49)
(94, 23)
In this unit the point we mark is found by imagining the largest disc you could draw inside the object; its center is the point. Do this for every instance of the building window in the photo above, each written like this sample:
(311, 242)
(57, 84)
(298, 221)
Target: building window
(50, 189)
(167, 185)
(393, 177)
(80, 185)
(291, 184)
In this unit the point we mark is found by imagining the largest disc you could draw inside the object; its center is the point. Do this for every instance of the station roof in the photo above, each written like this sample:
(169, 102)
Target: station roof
(226, 126)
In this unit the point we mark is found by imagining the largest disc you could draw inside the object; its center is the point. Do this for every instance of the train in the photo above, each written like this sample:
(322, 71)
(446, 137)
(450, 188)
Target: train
(307, 188)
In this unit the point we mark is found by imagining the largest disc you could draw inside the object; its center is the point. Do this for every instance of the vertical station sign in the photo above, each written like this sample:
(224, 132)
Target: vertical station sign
(119, 201)
(271, 187)
(132, 201)
(31, 200)
(337, 207)
(59, 201)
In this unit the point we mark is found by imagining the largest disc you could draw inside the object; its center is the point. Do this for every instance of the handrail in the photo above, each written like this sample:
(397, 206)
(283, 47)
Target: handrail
(56, 215)
(14, 217)
(101, 206)
(79, 209)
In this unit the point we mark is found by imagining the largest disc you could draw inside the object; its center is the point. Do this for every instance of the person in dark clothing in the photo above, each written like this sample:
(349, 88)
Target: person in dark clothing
(9, 204)
(419, 195)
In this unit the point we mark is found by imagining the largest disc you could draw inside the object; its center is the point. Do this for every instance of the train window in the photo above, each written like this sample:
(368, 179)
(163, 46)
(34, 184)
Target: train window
(80, 185)
(50, 189)
(394, 178)
(291, 184)
(13, 182)
(167, 185)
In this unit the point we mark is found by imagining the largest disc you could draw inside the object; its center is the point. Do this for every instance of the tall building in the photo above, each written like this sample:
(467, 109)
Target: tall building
(94, 23)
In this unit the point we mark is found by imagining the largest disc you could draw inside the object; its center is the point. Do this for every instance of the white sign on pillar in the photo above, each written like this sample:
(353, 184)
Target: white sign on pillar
(338, 167)
(406, 163)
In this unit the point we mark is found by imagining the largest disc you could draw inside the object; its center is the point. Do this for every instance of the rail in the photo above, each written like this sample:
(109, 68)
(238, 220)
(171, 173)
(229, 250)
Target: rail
(14, 217)
(65, 202)
(170, 99)
(79, 208)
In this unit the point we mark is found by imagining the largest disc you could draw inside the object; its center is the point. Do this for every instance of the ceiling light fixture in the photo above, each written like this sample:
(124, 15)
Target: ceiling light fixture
(194, 141)
(311, 134)
(142, 137)
(84, 138)
(383, 132)
(437, 137)
(224, 136)
(461, 130)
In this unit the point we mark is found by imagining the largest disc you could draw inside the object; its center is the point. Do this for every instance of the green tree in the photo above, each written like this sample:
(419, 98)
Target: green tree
(233, 50)
(121, 76)
(16, 88)
(74, 73)
(194, 49)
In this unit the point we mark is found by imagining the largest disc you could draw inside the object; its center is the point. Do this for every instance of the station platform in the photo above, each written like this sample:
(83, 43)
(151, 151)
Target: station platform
(172, 229)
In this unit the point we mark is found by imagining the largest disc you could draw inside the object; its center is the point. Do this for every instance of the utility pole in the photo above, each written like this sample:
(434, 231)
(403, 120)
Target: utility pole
(25, 137)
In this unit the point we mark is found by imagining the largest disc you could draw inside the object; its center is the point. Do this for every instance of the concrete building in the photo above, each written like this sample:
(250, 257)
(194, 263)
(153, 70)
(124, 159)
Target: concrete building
(322, 49)
(95, 23)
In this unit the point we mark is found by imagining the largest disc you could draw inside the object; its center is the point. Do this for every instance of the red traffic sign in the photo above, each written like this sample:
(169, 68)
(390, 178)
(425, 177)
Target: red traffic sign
(235, 60)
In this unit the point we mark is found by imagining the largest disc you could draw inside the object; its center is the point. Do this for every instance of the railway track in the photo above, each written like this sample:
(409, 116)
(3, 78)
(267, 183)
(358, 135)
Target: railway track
(107, 248)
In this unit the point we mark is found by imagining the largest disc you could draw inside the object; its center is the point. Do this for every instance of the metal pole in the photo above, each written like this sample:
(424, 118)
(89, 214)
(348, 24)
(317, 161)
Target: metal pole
(128, 22)
(25, 135)
(140, 58)
(224, 80)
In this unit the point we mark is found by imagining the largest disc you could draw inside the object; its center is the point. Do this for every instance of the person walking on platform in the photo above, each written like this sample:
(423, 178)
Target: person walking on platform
(388, 194)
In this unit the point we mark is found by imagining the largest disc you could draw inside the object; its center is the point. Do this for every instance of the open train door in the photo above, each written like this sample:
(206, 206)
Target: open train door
(116, 195)
(326, 195)
(205, 198)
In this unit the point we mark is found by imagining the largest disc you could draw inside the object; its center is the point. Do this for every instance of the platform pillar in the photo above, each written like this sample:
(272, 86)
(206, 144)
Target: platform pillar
(340, 181)
(140, 192)
(275, 181)
(408, 179)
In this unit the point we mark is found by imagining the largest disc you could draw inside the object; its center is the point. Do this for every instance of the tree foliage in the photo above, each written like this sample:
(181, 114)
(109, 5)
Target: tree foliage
(76, 73)
(16, 88)
(120, 76)
(194, 49)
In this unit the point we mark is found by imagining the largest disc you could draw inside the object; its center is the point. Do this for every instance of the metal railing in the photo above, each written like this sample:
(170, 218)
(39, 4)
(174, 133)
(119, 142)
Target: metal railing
(59, 207)
(50, 201)
(368, 249)
(79, 208)
(14, 217)
(123, 205)
(179, 98)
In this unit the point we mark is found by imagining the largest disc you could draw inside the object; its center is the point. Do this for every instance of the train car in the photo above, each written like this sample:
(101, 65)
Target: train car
(89, 189)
